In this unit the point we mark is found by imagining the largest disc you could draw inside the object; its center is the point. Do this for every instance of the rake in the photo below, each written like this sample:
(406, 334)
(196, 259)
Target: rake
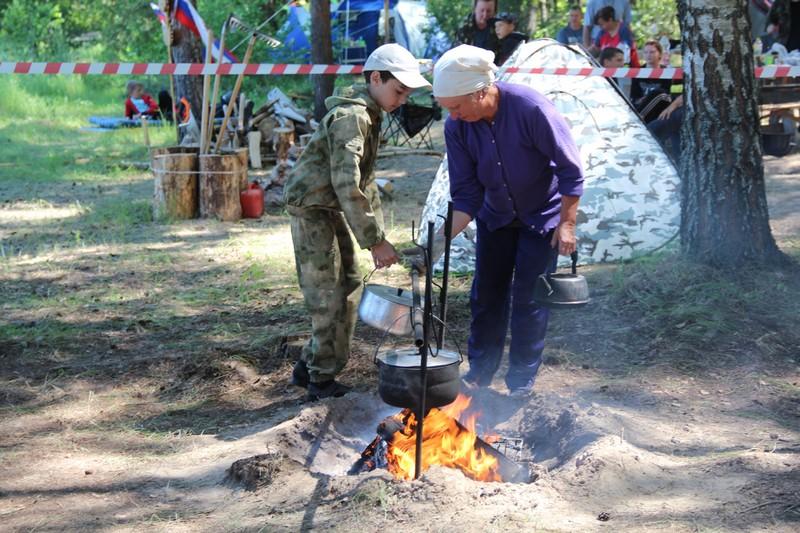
(236, 24)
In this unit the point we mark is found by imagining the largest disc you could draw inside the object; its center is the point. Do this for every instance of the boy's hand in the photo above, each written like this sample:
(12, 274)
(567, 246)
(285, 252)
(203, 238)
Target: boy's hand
(384, 254)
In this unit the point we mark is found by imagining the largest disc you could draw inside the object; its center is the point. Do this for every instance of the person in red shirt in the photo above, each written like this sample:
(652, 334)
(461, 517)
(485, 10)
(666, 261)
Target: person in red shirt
(139, 103)
(617, 35)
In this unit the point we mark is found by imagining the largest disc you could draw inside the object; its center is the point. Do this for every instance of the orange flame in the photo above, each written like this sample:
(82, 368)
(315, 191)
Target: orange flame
(444, 443)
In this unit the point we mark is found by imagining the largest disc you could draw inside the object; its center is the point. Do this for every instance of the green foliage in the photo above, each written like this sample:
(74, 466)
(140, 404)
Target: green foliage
(35, 29)
(653, 18)
(125, 30)
(449, 15)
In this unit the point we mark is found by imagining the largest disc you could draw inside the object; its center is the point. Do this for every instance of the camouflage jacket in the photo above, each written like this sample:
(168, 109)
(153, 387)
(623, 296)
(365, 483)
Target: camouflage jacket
(466, 35)
(336, 169)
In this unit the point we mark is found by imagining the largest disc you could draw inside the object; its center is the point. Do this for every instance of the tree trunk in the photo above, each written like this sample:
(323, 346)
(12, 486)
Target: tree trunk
(724, 217)
(186, 48)
(321, 53)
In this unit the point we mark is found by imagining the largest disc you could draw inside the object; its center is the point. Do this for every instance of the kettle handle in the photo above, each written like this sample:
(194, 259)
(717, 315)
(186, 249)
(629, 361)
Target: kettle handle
(573, 256)
(546, 283)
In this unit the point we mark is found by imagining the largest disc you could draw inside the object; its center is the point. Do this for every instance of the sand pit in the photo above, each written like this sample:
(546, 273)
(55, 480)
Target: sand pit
(593, 466)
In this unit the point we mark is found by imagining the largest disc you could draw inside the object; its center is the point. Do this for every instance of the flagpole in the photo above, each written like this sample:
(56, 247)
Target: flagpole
(175, 118)
(168, 7)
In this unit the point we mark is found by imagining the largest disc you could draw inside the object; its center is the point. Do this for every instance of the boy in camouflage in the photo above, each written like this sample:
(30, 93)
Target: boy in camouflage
(332, 187)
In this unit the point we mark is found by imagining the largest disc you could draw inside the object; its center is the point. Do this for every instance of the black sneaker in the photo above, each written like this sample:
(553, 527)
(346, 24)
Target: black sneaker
(300, 374)
(522, 392)
(326, 389)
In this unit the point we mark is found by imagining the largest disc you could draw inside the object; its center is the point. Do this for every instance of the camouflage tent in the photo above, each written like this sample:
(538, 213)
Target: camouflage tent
(630, 203)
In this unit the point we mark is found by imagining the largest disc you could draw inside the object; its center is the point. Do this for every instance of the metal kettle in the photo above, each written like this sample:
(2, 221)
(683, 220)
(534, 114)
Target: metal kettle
(556, 290)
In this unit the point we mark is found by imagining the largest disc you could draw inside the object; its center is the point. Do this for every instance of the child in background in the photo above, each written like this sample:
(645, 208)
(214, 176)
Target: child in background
(505, 26)
(611, 58)
(614, 58)
(139, 103)
(617, 35)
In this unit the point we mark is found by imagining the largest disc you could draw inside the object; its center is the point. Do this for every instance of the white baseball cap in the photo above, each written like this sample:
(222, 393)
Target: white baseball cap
(400, 62)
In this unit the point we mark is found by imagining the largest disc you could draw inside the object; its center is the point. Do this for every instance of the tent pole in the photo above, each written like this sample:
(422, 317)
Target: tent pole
(385, 21)
(347, 33)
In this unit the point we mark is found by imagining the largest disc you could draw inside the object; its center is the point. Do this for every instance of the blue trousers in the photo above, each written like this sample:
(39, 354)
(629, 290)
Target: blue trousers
(507, 263)
(668, 132)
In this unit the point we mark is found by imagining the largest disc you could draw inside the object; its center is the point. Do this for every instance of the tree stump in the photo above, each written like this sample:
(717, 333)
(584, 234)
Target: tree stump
(220, 182)
(241, 153)
(175, 191)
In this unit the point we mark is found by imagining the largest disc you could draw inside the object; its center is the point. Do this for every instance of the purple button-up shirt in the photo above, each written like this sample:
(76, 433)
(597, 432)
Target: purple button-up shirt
(515, 167)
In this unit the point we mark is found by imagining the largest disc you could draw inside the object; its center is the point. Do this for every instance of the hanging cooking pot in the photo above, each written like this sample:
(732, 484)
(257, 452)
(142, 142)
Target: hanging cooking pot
(388, 309)
(399, 377)
(562, 290)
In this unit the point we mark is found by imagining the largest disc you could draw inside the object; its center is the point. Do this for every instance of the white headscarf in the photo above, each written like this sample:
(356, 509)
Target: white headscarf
(463, 70)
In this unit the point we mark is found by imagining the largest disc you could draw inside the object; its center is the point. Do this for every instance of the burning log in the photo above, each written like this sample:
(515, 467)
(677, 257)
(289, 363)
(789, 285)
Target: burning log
(449, 443)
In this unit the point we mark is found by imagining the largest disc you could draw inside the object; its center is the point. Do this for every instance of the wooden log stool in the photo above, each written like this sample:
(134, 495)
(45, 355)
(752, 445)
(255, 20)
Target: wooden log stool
(175, 179)
(220, 185)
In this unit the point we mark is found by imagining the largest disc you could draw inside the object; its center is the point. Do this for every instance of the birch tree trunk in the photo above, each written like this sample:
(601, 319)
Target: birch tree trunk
(724, 217)
(321, 53)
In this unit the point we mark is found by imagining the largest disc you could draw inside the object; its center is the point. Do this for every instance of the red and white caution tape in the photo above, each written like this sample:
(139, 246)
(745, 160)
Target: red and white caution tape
(273, 69)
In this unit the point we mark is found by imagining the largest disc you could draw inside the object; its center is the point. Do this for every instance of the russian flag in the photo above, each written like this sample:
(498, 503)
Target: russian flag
(160, 14)
(227, 54)
(187, 15)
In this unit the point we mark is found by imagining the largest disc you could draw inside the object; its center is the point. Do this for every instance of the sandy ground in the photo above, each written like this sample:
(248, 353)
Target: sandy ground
(617, 447)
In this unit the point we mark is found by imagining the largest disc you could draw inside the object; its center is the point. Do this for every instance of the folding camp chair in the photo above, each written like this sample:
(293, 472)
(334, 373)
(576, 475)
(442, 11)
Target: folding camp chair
(410, 125)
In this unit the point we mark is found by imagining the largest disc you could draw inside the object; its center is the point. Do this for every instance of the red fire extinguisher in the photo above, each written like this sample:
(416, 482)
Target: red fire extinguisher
(252, 200)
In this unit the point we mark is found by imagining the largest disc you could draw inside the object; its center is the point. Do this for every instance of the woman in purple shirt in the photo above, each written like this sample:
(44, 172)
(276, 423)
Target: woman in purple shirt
(514, 169)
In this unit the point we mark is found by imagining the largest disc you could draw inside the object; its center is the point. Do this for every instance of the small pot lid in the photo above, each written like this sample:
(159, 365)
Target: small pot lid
(393, 294)
(410, 358)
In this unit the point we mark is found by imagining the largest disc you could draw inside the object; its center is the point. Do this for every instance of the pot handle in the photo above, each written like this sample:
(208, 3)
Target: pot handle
(447, 328)
(366, 278)
(574, 257)
(383, 337)
(432, 353)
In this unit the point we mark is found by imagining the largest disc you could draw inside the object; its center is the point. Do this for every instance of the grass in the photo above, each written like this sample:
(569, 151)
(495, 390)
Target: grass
(701, 317)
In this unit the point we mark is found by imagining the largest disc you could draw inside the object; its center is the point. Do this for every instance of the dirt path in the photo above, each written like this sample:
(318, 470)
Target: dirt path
(139, 365)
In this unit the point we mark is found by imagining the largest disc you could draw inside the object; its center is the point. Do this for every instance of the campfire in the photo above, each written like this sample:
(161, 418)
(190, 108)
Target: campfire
(445, 441)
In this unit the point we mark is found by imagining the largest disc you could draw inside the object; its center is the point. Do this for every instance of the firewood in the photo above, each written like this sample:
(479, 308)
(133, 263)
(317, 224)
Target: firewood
(266, 108)
(254, 147)
(282, 139)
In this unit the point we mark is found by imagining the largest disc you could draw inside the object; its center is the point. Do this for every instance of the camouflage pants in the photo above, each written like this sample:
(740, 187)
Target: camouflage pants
(328, 277)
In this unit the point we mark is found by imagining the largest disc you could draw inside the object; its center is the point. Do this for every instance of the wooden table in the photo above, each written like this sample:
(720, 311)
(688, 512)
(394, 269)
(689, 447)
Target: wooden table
(781, 96)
